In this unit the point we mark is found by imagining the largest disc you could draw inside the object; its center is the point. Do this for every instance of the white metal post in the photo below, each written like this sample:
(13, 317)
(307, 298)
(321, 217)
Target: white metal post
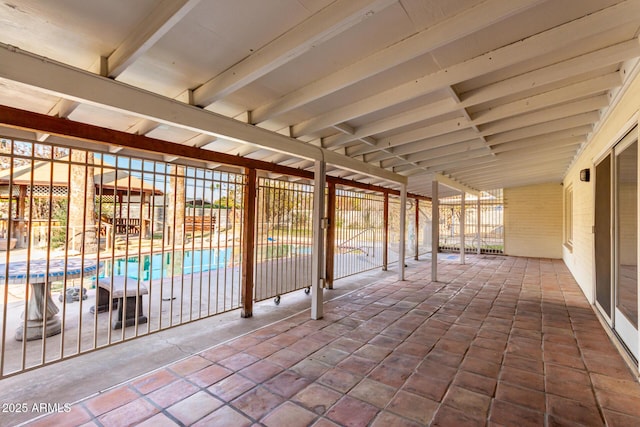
(403, 232)
(435, 230)
(462, 225)
(479, 223)
(317, 263)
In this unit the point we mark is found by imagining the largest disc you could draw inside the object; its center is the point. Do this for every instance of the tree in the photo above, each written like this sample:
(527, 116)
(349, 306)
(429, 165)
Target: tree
(174, 222)
(226, 202)
(82, 235)
(278, 201)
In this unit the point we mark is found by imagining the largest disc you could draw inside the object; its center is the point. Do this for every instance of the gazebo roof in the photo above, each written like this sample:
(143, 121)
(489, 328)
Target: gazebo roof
(107, 178)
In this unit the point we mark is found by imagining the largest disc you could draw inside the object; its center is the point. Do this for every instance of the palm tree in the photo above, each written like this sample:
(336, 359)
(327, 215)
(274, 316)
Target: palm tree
(82, 235)
(174, 224)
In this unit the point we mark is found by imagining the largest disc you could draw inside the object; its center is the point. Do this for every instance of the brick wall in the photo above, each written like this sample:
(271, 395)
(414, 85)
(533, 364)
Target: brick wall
(533, 221)
(580, 259)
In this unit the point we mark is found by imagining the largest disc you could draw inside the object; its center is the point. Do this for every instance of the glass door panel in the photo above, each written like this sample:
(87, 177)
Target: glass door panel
(626, 283)
(603, 236)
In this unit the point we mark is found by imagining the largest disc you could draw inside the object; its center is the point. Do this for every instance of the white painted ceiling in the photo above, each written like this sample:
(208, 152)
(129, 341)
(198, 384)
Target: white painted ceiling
(492, 94)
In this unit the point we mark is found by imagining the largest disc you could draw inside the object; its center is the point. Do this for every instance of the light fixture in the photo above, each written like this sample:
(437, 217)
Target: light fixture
(585, 175)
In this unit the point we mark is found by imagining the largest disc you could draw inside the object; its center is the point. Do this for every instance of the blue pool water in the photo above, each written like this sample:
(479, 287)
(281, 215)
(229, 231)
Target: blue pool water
(159, 265)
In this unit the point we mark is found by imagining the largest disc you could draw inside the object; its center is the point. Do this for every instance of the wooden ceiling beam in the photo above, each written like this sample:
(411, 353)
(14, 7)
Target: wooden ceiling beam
(81, 86)
(502, 169)
(544, 128)
(542, 152)
(426, 144)
(548, 99)
(444, 167)
(200, 141)
(449, 159)
(490, 169)
(143, 127)
(462, 24)
(542, 172)
(519, 145)
(430, 131)
(425, 112)
(158, 22)
(13, 117)
(455, 184)
(26, 120)
(450, 149)
(320, 27)
(574, 132)
(546, 75)
(569, 109)
(553, 73)
(505, 182)
(467, 171)
(540, 44)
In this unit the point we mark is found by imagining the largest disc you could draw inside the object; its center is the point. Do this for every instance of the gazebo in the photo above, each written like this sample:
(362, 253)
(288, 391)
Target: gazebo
(46, 179)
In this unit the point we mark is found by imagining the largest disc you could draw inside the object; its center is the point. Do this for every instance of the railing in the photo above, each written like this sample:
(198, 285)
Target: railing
(283, 238)
(109, 247)
(424, 228)
(126, 225)
(415, 237)
(69, 262)
(488, 238)
(359, 232)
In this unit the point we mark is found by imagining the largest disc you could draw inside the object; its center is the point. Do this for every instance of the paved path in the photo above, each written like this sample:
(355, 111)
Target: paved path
(499, 341)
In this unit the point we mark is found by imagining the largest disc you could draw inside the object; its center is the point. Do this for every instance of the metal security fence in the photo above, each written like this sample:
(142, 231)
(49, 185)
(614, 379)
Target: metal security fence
(417, 233)
(98, 248)
(424, 227)
(394, 229)
(483, 228)
(283, 238)
(359, 240)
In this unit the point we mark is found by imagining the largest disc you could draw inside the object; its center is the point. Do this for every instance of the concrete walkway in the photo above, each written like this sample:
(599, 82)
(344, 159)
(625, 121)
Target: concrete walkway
(498, 341)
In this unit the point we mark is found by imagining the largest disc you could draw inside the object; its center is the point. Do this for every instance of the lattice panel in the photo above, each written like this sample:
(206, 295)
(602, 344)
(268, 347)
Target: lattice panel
(45, 191)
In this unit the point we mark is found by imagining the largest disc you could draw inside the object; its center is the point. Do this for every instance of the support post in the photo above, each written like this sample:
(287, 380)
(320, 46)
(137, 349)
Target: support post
(435, 230)
(479, 220)
(317, 262)
(248, 243)
(385, 238)
(416, 228)
(403, 231)
(462, 225)
(331, 233)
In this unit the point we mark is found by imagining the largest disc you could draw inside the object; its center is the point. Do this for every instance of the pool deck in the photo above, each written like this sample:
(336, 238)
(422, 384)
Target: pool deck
(498, 341)
(90, 373)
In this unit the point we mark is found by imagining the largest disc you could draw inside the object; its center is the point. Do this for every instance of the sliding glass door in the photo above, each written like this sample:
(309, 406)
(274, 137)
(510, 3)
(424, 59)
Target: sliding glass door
(626, 278)
(616, 240)
(602, 229)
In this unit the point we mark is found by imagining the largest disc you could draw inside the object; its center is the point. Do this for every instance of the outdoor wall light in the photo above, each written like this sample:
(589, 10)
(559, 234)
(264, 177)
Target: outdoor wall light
(585, 175)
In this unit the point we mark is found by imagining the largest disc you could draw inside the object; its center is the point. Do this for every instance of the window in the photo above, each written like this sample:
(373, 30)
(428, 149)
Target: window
(568, 217)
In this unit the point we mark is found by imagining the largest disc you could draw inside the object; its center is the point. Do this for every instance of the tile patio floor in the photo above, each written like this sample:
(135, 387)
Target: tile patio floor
(498, 341)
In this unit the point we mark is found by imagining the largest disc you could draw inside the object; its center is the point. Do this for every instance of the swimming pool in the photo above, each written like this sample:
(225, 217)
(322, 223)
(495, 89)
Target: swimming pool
(159, 265)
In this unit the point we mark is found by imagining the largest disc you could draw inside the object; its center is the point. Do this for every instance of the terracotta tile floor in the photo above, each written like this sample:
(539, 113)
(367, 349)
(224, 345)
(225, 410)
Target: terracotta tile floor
(498, 341)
